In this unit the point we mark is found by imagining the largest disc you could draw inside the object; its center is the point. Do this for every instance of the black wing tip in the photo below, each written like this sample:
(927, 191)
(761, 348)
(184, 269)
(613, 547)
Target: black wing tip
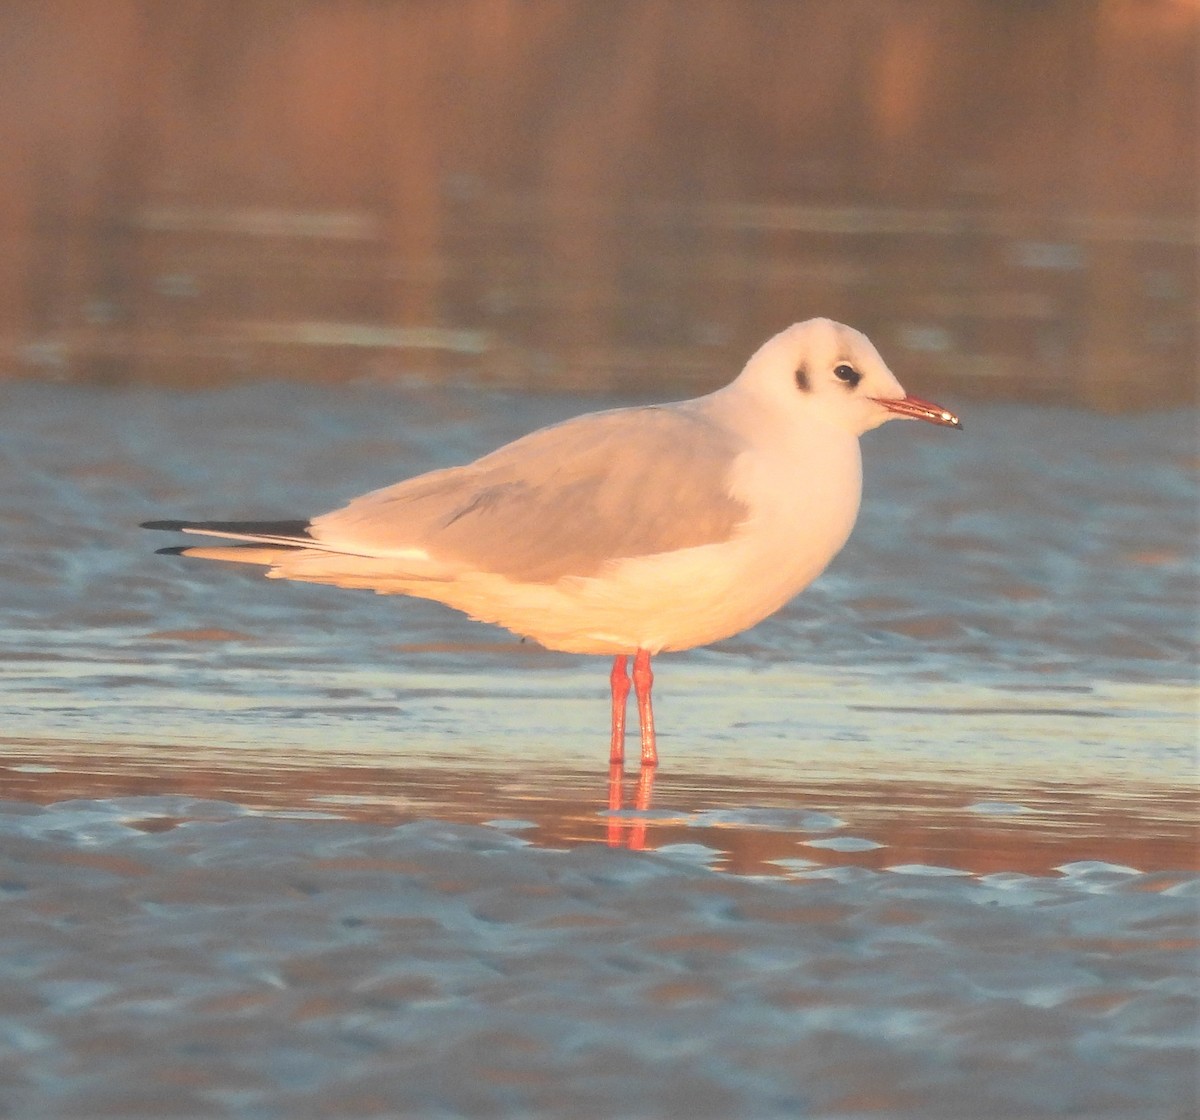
(177, 550)
(297, 527)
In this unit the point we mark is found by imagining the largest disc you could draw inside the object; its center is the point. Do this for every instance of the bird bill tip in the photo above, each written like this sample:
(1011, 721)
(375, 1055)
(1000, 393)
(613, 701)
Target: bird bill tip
(914, 408)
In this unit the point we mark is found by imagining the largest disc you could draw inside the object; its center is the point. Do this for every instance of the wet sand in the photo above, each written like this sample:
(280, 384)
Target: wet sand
(924, 844)
(746, 817)
(173, 957)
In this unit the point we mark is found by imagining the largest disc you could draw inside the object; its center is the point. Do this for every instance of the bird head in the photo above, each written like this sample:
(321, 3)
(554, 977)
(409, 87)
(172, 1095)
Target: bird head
(831, 371)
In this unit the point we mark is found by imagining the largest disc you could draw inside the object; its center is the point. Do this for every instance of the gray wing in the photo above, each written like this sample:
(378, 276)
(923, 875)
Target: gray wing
(562, 501)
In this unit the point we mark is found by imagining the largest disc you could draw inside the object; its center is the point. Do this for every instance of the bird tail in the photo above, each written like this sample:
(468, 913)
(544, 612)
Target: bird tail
(290, 551)
(290, 534)
(263, 541)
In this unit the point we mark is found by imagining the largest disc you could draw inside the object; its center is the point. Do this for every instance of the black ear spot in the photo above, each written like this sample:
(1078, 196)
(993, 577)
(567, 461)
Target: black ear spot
(848, 374)
(802, 378)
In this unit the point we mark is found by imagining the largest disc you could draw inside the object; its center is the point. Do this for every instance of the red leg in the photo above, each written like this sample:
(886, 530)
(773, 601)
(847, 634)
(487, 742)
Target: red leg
(643, 682)
(619, 680)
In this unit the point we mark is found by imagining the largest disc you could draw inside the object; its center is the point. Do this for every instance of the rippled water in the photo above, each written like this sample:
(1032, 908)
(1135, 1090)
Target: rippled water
(1016, 611)
(994, 681)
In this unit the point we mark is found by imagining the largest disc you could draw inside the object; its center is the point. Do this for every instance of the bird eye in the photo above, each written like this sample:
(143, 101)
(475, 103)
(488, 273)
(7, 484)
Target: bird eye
(848, 374)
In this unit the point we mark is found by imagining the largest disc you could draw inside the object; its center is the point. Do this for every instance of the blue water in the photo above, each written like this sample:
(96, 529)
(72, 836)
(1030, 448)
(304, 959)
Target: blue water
(1020, 597)
(922, 844)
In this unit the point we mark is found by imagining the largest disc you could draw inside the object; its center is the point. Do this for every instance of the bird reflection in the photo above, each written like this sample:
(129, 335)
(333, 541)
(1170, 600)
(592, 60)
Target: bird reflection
(624, 833)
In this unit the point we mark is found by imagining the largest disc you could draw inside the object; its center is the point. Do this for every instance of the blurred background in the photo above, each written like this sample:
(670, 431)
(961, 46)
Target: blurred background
(619, 195)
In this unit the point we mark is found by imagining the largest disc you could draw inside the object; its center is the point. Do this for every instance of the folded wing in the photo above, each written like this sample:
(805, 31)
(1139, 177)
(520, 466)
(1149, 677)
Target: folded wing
(562, 501)
(565, 500)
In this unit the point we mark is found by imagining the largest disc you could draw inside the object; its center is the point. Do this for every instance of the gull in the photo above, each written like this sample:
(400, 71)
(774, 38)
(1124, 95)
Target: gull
(627, 532)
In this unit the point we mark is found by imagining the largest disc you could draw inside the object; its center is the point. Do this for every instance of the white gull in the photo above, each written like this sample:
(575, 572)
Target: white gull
(626, 532)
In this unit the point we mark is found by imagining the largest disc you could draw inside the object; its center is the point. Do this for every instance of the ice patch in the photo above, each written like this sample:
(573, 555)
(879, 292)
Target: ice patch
(794, 863)
(998, 808)
(777, 820)
(931, 870)
(657, 816)
(843, 875)
(298, 814)
(699, 854)
(1009, 880)
(844, 844)
(513, 824)
(1094, 868)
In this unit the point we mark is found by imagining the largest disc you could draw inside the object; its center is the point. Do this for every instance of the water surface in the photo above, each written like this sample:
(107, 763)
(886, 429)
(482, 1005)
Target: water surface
(1013, 621)
(925, 837)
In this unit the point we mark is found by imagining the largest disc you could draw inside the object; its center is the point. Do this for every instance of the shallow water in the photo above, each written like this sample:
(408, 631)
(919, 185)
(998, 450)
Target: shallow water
(169, 956)
(989, 700)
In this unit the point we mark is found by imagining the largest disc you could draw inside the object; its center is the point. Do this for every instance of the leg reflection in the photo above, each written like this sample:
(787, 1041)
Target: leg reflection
(643, 792)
